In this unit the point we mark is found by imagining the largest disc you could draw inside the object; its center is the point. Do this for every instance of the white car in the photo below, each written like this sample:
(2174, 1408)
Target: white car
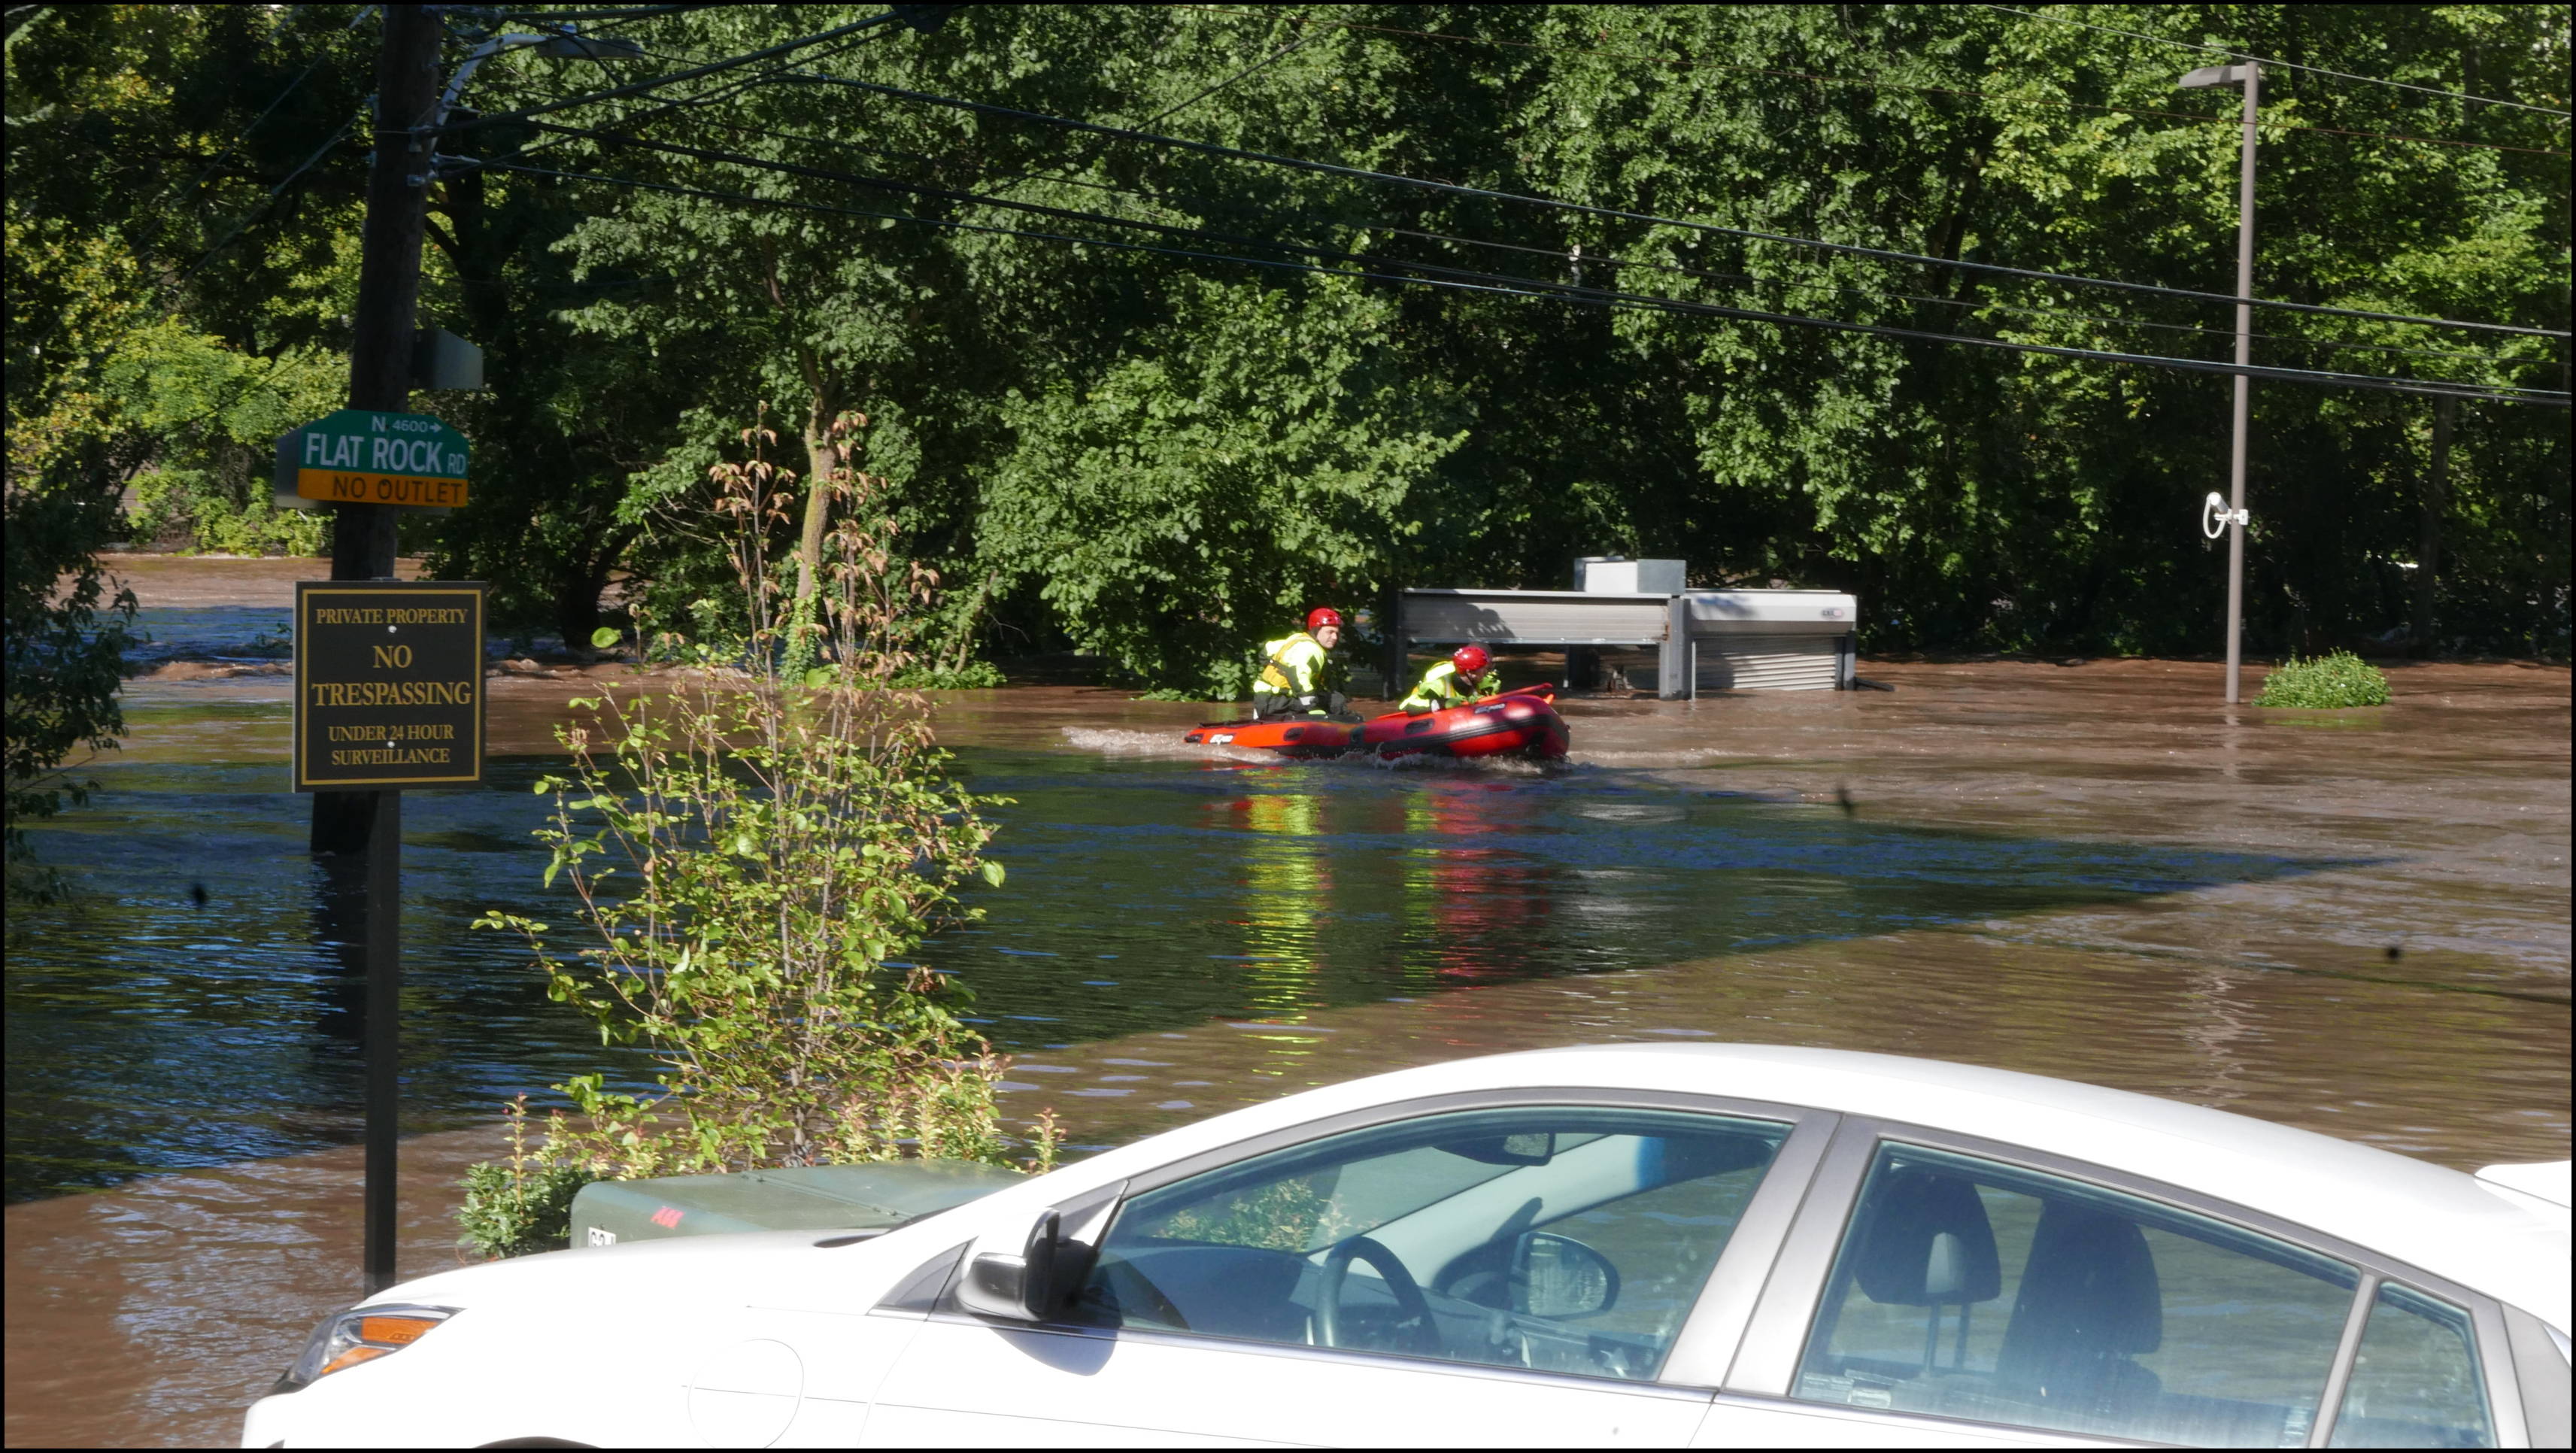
(1704, 1246)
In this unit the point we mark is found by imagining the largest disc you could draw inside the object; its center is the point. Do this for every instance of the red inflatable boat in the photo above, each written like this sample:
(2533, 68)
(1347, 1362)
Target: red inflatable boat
(1521, 722)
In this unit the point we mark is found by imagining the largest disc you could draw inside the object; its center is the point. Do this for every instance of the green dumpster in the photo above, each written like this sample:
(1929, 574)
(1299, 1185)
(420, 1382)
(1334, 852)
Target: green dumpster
(810, 1198)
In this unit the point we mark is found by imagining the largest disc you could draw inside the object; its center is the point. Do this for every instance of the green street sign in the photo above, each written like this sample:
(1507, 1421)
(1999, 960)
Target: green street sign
(361, 456)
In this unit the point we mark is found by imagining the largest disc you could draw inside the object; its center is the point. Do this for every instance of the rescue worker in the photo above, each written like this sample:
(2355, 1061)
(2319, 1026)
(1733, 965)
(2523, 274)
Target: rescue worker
(1464, 677)
(1298, 673)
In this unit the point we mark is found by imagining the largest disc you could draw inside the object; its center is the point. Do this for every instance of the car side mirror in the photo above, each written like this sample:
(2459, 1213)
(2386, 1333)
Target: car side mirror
(1557, 1276)
(1040, 1282)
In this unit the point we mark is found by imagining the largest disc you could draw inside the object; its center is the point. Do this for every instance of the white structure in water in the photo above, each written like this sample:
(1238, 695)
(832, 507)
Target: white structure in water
(1705, 640)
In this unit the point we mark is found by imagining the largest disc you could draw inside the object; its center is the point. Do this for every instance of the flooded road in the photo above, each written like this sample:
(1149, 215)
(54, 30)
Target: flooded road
(188, 1007)
(2354, 922)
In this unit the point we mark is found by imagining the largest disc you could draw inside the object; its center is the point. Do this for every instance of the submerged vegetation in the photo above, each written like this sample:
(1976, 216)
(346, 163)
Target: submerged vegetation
(756, 847)
(2332, 681)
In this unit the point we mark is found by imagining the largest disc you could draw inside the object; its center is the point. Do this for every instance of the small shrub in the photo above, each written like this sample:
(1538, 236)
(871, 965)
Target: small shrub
(1166, 693)
(198, 511)
(755, 848)
(521, 1205)
(2331, 681)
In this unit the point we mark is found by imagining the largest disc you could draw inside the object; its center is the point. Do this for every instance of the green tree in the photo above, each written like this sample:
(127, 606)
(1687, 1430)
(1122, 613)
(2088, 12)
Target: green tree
(1163, 456)
(169, 283)
(1160, 457)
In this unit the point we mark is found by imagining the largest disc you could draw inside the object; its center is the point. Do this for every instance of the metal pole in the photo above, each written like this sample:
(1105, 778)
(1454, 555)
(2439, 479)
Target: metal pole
(363, 539)
(2244, 396)
(2428, 549)
(384, 1032)
(1396, 656)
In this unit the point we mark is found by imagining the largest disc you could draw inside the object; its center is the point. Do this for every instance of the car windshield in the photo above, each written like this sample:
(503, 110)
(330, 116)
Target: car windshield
(1307, 1206)
(1568, 1240)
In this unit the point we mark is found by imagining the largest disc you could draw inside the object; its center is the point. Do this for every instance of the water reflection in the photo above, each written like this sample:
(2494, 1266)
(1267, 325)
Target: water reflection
(1287, 884)
(1467, 902)
(340, 936)
(145, 1032)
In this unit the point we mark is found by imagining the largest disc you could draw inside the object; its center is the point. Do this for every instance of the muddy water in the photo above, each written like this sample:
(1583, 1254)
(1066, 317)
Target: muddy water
(2356, 923)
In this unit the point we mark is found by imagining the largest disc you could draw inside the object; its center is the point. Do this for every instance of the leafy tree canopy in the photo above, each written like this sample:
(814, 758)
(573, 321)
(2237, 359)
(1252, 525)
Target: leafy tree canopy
(1165, 456)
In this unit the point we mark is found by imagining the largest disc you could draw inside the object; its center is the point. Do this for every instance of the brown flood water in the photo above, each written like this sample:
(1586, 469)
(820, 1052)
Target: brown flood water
(2414, 995)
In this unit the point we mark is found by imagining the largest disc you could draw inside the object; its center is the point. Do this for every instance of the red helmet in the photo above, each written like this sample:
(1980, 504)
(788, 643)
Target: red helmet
(1322, 616)
(1470, 660)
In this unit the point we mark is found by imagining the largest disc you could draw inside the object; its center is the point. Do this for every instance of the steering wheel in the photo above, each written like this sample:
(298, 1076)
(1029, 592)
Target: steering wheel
(1412, 1309)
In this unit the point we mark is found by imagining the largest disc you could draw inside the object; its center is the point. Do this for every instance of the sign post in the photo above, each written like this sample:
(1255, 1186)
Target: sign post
(388, 695)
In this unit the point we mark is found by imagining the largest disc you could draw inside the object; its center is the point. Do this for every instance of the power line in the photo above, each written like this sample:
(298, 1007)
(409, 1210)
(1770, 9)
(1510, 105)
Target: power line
(705, 98)
(1203, 207)
(1166, 113)
(268, 201)
(1791, 284)
(711, 68)
(2284, 65)
(271, 108)
(334, 139)
(640, 12)
(947, 194)
(1463, 281)
(2194, 117)
(1621, 214)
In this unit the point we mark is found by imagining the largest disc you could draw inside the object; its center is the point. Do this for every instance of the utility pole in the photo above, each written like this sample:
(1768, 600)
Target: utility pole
(380, 344)
(2250, 76)
(362, 830)
(2428, 551)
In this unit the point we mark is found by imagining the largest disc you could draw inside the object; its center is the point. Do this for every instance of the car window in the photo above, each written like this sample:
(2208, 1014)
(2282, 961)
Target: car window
(2415, 1383)
(1564, 1240)
(1969, 1289)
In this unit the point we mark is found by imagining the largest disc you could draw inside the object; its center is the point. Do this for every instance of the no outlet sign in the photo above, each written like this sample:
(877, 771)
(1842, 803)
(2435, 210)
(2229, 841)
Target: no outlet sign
(361, 456)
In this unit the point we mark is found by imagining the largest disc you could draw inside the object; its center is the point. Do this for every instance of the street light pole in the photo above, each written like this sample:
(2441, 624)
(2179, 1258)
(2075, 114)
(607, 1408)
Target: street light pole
(2250, 76)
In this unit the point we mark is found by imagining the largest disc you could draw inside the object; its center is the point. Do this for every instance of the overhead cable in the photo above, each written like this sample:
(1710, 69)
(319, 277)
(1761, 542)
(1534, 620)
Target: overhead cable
(2283, 65)
(2295, 340)
(1456, 189)
(657, 82)
(2195, 117)
(638, 12)
(1525, 288)
(270, 200)
(1611, 260)
(270, 109)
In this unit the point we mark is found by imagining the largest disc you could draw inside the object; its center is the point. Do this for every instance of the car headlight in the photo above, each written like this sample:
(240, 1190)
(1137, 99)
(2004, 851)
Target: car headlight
(360, 1334)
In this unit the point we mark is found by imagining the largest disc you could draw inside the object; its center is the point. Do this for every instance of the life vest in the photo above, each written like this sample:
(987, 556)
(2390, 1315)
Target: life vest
(1441, 688)
(1291, 666)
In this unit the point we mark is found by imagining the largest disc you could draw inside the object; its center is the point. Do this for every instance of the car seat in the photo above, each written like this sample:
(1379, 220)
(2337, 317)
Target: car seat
(2089, 1303)
(1929, 1244)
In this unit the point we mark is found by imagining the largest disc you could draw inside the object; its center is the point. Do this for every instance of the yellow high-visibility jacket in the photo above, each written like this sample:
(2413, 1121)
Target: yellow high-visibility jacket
(1441, 688)
(1292, 666)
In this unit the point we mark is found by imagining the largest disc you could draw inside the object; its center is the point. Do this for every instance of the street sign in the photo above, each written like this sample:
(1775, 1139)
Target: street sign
(388, 684)
(362, 456)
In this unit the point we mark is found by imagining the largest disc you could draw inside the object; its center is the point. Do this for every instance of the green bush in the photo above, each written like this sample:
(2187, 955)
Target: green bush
(523, 1204)
(197, 512)
(2338, 679)
(755, 853)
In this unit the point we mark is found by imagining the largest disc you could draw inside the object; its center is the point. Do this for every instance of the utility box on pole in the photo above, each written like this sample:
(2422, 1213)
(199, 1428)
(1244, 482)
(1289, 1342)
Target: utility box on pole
(441, 360)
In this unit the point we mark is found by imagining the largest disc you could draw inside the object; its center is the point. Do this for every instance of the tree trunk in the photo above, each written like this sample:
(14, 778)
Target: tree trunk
(823, 457)
(2428, 548)
(584, 579)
